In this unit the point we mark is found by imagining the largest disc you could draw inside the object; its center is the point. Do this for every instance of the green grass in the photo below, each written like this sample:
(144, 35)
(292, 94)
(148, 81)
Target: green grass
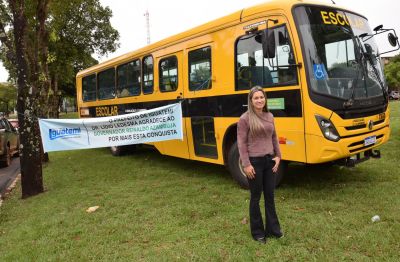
(69, 115)
(158, 208)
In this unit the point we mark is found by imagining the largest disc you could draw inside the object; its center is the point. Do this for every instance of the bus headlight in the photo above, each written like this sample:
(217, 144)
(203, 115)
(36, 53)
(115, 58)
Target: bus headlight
(327, 128)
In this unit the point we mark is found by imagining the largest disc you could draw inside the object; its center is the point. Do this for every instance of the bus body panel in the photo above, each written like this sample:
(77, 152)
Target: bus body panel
(291, 139)
(177, 148)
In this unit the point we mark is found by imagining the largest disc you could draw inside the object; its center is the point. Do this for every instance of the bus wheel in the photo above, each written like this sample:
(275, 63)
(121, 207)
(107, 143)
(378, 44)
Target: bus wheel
(116, 150)
(283, 166)
(235, 167)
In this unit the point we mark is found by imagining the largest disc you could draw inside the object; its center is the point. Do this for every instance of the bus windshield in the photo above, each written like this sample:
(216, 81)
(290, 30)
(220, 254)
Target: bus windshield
(341, 54)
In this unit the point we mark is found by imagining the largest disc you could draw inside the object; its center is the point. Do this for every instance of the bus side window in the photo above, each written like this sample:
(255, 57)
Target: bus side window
(148, 75)
(252, 68)
(106, 82)
(128, 79)
(285, 57)
(200, 69)
(89, 88)
(168, 71)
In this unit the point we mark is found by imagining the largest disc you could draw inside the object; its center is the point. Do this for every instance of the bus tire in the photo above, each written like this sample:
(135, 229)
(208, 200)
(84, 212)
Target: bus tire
(236, 170)
(116, 150)
(235, 167)
(283, 166)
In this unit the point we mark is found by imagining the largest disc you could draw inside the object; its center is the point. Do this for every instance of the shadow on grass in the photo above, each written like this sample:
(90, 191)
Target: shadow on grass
(324, 175)
(298, 176)
(189, 168)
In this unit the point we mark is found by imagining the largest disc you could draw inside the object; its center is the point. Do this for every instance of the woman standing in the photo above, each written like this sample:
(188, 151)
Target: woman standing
(260, 155)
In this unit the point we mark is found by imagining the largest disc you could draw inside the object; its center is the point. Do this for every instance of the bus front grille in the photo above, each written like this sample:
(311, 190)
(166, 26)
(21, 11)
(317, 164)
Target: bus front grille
(354, 147)
(364, 125)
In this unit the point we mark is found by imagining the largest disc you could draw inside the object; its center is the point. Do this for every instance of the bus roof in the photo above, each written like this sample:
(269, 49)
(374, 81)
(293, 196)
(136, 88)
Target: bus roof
(211, 26)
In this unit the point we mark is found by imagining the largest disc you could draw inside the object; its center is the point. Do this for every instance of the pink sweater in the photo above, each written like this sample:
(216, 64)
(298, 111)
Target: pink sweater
(260, 145)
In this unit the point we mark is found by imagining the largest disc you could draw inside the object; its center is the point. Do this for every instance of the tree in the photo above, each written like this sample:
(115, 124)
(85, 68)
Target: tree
(31, 72)
(76, 30)
(8, 97)
(392, 73)
(30, 21)
(79, 28)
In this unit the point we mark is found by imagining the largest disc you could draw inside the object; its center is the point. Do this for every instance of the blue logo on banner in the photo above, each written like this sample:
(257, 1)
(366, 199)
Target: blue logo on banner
(64, 132)
(319, 71)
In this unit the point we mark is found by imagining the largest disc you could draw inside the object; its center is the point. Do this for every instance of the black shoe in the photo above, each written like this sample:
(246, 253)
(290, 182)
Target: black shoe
(262, 240)
(278, 235)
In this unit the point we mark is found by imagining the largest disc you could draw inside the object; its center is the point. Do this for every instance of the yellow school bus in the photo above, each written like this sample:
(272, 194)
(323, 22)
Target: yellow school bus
(318, 63)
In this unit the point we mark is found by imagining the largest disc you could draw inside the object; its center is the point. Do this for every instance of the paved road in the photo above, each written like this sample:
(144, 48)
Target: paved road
(8, 174)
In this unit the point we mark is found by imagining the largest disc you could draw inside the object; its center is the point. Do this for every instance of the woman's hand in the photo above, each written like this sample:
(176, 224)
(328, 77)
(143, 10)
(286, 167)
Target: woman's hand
(275, 167)
(250, 172)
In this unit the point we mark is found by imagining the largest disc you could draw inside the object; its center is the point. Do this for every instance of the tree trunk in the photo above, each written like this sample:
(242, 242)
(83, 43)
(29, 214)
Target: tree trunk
(31, 164)
(54, 105)
(7, 112)
(42, 51)
(54, 98)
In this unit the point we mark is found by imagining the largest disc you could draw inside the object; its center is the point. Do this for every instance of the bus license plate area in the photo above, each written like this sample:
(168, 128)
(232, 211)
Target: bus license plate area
(369, 140)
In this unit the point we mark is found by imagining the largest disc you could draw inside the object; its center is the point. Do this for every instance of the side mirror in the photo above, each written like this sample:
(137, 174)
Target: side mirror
(392, 39)
(268, 43)
(379, 27)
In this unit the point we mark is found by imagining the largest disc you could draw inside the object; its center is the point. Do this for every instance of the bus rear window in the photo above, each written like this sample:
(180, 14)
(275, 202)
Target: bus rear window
(128, 79)
(89, 88)
(106, 80)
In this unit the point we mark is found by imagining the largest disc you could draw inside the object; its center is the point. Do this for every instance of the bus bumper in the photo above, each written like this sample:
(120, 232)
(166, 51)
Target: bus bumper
(320, 150)
(358, 158)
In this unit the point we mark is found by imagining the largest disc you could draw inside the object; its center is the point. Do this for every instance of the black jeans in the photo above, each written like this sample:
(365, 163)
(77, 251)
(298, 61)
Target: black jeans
(264, 181)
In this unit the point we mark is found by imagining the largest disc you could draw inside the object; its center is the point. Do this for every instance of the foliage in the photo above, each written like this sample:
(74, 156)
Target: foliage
(8, 97)
(78, 29)
(392, 73)
(154, 207)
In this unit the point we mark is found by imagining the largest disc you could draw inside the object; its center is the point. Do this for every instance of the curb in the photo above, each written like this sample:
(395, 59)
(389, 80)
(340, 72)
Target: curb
(9, 189)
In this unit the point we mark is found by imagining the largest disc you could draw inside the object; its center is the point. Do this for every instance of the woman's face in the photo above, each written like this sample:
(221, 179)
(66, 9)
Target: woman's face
(258, 100)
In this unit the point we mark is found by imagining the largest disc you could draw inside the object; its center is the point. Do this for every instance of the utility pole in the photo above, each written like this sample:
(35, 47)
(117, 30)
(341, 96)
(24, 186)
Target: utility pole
(147, 15)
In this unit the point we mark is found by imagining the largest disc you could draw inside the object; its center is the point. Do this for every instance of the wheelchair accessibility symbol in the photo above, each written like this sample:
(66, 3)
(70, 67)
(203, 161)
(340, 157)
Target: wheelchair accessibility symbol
(319, 71)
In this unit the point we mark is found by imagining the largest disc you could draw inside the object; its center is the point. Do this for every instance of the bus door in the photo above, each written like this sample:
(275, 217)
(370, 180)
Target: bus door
(285, 98)
(270, 59)
(170, 83)
(202, 106)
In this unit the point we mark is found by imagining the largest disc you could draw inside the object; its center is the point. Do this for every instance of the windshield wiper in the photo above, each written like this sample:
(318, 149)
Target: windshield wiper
(371, 58)
(360, 66)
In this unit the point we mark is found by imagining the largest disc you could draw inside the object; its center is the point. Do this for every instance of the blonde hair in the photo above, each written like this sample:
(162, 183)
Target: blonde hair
(256, 126)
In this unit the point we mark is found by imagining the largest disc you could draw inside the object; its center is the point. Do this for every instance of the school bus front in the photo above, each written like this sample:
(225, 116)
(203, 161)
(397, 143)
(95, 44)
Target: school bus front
(346, 110)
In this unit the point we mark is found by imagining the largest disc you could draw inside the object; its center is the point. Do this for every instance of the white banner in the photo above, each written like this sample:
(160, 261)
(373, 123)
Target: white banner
(158, 124)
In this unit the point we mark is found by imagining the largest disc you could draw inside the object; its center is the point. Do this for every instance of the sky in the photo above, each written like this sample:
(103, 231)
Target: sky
(171, 17)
